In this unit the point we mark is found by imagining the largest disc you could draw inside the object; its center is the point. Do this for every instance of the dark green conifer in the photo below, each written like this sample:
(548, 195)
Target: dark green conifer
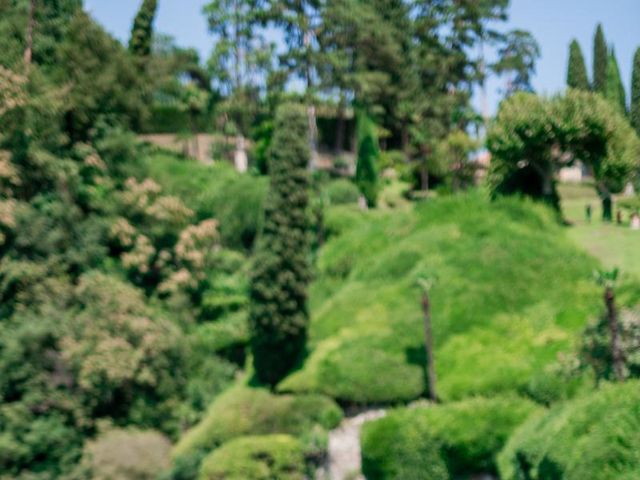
(368, 152)
(577, 70)
(600, 61)
(614, 88)
(635, 92)
(281, 273)
(142, 32)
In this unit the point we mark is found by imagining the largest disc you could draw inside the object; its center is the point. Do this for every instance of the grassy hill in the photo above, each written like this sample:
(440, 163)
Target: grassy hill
(511, 291)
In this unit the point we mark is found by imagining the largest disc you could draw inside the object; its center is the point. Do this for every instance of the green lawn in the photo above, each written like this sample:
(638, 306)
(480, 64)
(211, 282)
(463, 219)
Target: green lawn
(614, 245)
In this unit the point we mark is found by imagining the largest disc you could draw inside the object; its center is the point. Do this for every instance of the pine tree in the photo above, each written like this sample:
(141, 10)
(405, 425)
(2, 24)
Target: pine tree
(142, 31)
(635, 92)
(600, 61)
(577, 71)
(278, 293)
(368, 152)
(614, 88)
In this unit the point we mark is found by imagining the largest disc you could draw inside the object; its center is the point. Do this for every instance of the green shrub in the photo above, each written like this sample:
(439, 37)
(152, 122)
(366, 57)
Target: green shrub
(464, 436)
(242, 410)
(341, 192)
(257, 458)
(395, 450)
(126, 455)
(594, 436)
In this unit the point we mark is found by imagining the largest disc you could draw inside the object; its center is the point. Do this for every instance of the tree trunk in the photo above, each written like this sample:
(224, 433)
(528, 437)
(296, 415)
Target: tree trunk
(424, 179)
(28, 51)
(313, 137)
(428, 346)
(607, 208)
(404, 138)
(340, 126)
(612, 319)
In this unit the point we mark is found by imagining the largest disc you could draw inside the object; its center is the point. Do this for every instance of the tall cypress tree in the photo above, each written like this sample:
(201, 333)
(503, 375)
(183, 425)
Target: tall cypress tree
(368, 152)
(577, 70)
(142, 32)
(635, 92)
(614, 88)
(600, 60)
(281, 273)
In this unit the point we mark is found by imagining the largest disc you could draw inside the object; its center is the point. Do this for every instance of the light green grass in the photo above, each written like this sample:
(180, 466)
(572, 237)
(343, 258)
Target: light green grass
(614, 245)
(511, 292)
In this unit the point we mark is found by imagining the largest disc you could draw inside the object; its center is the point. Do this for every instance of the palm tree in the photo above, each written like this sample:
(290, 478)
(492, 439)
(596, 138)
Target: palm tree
(608, 280)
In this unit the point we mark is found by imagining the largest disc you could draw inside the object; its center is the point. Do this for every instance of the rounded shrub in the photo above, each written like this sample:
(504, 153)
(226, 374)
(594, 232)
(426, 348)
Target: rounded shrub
(393, 449)
(241, 411)
(342, 192)
(593, 436)
(126, 455)
(464, 437)
(256, 457)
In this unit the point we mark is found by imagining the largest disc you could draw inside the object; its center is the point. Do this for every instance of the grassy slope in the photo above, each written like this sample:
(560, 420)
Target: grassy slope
(613, 245)
(216, 190)
(511, 292)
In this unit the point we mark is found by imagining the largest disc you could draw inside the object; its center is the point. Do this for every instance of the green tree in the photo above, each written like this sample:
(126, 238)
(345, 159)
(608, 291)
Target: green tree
(368, 153)
(533, 137)
(518, 55)
(614, 89)
(300, 23)
(577, 71)
(635, 92)
(142, 31)
(278, 311)
(600, 60)
(105, 83)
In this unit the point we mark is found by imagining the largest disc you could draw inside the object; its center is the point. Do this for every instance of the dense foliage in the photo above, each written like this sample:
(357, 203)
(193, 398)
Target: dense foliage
(142, 30)
(147, 301)
(368, 153)
(449, 441)
(635, 92)
(577, 76)
(594, 436)
(257, 457)
(281, 272)
(614, 91)
(532, 138)
(600, 60)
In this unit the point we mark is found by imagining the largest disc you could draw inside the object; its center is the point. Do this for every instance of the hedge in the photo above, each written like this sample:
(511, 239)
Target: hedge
(454, 439)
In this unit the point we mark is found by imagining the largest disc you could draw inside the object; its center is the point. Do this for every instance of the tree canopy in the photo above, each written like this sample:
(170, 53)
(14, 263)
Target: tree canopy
(533, 137)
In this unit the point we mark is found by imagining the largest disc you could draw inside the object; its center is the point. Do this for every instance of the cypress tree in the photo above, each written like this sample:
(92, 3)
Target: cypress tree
(635, 92)
(142, 31)
(278, 293)
(577, 70)
(614, 88)
(600, 61)
(368, 152)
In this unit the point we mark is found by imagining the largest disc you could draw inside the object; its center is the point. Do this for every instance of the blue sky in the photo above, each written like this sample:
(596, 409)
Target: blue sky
(553, 23)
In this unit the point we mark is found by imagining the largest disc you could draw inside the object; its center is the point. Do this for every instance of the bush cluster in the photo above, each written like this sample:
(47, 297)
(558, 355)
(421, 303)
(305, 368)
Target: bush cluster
(594, 436)
(243, 411)
(448, 441)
